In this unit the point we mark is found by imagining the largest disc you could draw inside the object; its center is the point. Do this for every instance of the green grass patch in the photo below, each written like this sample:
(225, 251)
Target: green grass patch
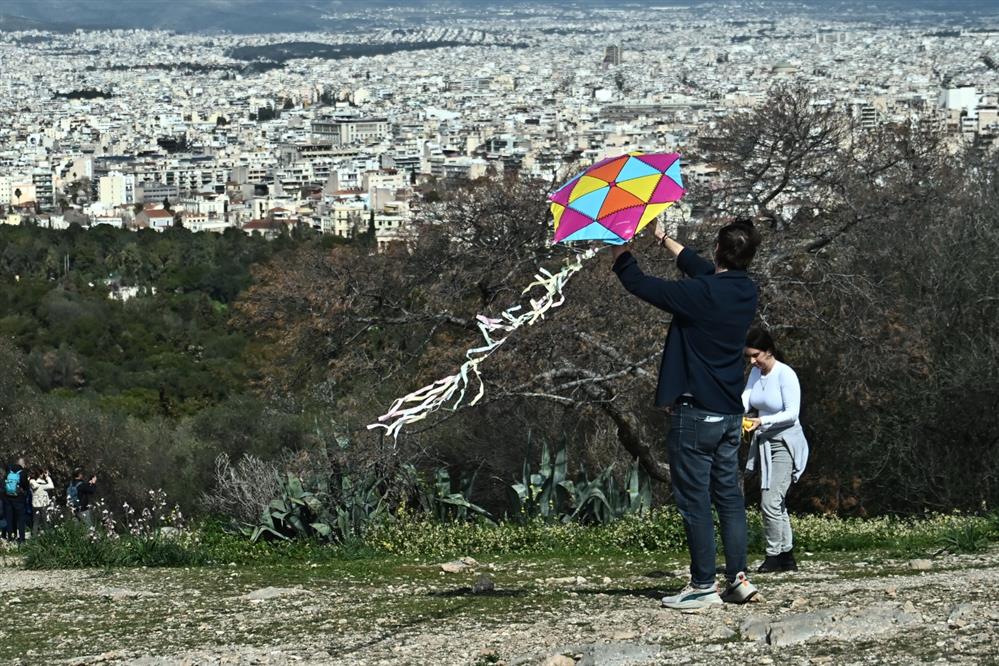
(956, 533)
(72, 545)
(660, 532)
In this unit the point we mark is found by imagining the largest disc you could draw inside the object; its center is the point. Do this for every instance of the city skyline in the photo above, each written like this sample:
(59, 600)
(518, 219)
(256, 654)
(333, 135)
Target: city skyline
(336, 130)
(262, 16)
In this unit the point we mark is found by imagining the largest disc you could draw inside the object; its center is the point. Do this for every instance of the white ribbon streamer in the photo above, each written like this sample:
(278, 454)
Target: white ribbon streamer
(450, 391)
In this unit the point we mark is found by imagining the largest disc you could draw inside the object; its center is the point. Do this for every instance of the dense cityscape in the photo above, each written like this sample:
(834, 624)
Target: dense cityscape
(340, 130)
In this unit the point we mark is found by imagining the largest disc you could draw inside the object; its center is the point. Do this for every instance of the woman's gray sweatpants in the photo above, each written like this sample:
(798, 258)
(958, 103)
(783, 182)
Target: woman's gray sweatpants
(776, 522)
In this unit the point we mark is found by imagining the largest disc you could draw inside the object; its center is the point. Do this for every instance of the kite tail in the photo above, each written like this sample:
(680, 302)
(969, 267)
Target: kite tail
(450, 391)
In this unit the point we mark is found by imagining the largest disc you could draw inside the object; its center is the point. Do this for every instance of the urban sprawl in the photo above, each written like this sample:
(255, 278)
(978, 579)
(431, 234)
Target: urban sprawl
(339, 131)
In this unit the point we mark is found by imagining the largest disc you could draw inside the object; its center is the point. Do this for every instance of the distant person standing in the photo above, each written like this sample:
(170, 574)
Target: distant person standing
(80, 494)
(700, 381)
(16, 492)
(779, 444)
(41, 484)
(4, 533)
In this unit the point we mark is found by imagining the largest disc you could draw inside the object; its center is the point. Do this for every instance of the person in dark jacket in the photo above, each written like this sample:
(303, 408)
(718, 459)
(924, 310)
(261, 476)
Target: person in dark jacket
(700, 383)
(4, 533)
(17, 494)
(84, 491)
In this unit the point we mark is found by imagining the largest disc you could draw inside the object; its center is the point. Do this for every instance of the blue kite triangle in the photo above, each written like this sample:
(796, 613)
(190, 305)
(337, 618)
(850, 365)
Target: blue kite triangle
(636, 169)
(674, 172)
(595, 231)
(589, 204)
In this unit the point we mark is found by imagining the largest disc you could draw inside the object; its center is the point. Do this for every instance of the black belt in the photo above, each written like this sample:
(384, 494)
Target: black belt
(689, 401)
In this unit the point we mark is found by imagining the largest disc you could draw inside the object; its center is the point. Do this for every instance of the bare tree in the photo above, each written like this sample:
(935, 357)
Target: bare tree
(779, 158)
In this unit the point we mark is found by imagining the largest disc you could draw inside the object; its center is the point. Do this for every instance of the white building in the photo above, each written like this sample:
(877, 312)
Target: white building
(345, 218)
(109, 220)
(959, 99)
(116, 189)
(345, 130)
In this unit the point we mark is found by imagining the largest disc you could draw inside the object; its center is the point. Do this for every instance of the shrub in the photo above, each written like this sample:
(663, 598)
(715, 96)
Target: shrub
(242, 489)
(152, 536)
(968, 536)
(305, 495)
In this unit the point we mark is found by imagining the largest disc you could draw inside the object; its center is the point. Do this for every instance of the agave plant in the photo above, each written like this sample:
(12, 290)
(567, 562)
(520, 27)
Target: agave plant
(341, 515)
(359, 505)
(295, 513)
(440, 498)
(547, 493)
(451, 503)
(602, 501)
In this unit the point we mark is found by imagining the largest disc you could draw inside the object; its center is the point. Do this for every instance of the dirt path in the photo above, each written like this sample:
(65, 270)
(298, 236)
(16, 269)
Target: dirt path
(857, 609)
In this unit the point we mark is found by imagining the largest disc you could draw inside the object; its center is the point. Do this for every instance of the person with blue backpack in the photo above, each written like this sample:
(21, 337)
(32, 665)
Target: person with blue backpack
(3, 505)
(16, 492)
(79, 494)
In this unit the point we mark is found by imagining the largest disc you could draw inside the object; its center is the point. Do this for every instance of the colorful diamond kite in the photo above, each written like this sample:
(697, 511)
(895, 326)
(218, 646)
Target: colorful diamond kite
(616, 198)
(611, 202)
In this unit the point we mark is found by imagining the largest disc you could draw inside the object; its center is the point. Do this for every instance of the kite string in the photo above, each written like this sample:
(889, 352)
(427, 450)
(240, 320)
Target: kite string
(422, 402)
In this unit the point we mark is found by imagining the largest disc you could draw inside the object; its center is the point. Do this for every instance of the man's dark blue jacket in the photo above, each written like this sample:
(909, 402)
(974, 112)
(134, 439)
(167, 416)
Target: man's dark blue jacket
(712, 313)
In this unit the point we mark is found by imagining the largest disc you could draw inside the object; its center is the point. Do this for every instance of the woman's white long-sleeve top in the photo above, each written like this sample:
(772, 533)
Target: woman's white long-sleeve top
(776, 396)
(40, 492)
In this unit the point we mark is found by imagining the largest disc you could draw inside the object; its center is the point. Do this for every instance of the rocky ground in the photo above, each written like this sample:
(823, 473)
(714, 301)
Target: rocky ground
(851, 609)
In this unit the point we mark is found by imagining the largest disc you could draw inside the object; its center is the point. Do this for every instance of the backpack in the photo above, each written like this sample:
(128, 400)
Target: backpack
(12, 484)
(73, 494)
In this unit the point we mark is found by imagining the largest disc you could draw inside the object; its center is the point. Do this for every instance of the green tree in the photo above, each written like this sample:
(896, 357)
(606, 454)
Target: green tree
(128, 262)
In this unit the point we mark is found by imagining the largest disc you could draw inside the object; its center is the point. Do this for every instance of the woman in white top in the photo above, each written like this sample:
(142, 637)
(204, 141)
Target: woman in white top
(778, 443)
(41, 501)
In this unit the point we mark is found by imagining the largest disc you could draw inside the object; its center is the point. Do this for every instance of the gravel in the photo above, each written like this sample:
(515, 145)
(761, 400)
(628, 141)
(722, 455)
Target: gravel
(598, 611)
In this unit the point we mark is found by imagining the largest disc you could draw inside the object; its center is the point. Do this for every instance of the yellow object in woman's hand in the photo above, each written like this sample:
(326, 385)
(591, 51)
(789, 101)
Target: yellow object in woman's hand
(748, 424)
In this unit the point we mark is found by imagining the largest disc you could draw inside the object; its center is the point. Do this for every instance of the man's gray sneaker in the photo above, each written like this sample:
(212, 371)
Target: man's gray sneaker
(693, 598)
(739, 591)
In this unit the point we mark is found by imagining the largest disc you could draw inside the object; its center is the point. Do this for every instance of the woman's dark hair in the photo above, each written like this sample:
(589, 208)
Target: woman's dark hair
(760, 338)
(737, 243)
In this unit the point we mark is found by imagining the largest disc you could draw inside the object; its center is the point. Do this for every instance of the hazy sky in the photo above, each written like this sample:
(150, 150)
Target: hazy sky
(293, 15)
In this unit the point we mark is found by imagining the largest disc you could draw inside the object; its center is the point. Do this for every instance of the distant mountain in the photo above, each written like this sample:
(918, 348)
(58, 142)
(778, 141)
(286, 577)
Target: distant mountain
(254, 16)
(13, 23)
(240, 16)
(245, 16)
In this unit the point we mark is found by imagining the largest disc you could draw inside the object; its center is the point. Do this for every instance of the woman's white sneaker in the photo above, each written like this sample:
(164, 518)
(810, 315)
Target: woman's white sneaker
(693, 598)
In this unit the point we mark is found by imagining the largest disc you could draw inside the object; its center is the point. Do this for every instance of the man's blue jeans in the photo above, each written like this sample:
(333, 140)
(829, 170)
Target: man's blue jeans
(703, 452)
